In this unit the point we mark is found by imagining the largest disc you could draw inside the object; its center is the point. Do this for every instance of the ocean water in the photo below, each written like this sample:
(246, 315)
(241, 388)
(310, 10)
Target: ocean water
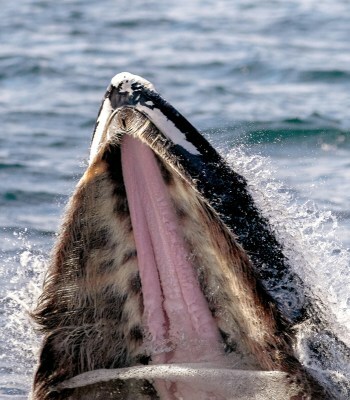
(268, 83)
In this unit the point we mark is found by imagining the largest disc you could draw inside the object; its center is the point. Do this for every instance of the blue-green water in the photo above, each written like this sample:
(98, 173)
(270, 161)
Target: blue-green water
(271, 77)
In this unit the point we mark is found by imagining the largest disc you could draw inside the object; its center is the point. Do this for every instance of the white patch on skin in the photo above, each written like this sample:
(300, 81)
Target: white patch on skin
(127, 79)
(168, 128)
(149, 103)
(103, 117)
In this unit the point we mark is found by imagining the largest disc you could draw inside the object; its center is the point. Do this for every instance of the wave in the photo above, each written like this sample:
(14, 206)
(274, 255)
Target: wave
(5, 165)
(313, 130)
(329, 76)
(14, 66)
(30, 197)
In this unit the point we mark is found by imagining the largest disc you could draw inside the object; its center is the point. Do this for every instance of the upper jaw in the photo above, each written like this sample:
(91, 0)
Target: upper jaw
(127, 90)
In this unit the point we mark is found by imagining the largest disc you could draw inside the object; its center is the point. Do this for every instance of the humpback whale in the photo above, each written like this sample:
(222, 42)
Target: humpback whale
(166, 281)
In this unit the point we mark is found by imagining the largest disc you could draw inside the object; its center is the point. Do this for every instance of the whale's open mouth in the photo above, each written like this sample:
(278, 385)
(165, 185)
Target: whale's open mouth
(183, 251)
(163, 258)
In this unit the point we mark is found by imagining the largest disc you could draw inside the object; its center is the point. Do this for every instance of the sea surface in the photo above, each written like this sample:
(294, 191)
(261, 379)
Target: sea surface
(267, 82)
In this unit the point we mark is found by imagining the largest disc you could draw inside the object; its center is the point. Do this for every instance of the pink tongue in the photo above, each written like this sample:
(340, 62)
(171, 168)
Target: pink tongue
(176, 313)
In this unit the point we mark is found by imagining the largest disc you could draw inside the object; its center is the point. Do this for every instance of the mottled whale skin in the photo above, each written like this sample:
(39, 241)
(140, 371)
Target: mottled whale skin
(91, 311)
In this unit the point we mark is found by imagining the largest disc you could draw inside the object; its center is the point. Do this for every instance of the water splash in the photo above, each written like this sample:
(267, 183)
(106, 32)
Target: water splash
(21, 276)
(310, 243)
(308, 235)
